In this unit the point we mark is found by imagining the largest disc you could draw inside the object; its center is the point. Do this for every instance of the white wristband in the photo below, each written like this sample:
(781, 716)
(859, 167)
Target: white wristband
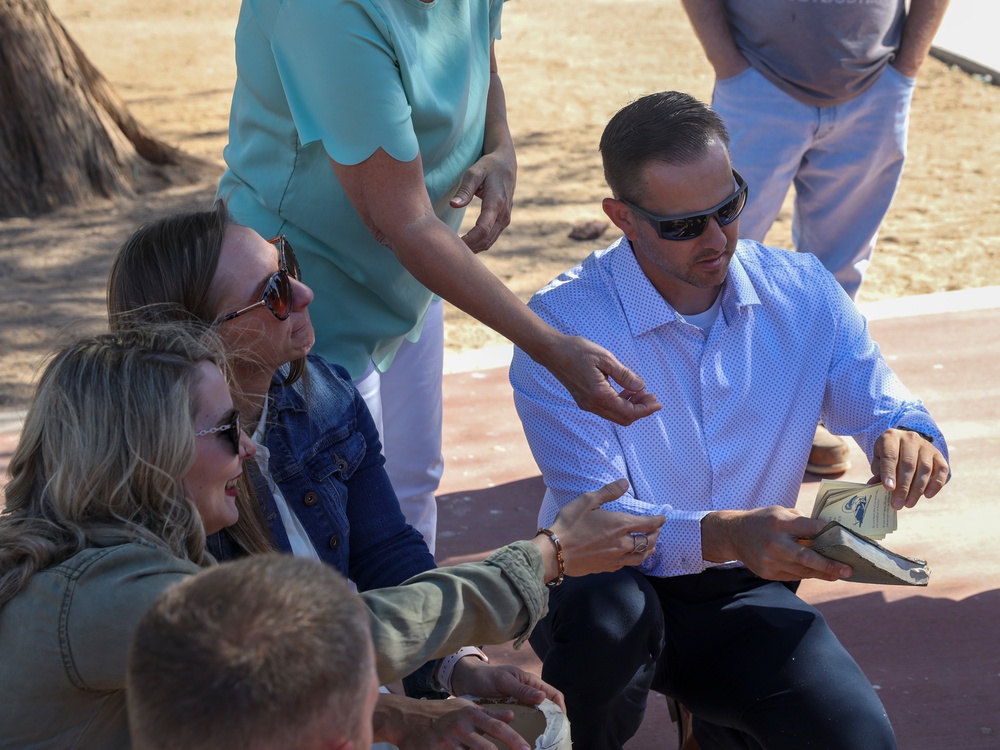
(448, 663)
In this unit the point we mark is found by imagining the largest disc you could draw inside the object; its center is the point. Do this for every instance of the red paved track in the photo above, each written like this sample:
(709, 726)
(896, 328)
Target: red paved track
(933, 653)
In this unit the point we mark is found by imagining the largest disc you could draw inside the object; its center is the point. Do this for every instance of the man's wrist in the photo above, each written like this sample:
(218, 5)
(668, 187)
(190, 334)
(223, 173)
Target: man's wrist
(715, 544)
(387, 720)
(903, 67)
(924, 435)
(730, 65)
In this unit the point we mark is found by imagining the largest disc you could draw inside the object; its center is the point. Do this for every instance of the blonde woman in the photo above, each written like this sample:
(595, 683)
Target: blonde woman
(129, 455)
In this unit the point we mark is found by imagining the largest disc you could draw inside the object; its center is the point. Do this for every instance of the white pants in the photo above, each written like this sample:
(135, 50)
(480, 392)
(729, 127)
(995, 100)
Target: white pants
(845, 162)
(405, 402)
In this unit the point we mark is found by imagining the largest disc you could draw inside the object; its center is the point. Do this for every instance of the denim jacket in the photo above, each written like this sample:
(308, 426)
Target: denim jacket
(326, 457)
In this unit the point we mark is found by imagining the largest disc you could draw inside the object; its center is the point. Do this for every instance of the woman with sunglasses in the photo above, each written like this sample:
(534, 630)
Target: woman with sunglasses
(129, 454)
(319, 475)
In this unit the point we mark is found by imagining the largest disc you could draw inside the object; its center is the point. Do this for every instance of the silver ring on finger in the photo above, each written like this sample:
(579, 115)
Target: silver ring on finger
(640, 543)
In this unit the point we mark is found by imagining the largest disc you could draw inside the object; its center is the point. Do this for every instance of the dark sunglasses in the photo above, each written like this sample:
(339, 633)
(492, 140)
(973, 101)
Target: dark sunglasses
(231, 431)
(277, 294)
(676, 228)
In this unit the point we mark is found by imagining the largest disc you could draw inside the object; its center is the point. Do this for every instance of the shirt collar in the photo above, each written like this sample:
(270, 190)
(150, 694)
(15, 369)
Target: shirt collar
(739, 291)
(646, 309)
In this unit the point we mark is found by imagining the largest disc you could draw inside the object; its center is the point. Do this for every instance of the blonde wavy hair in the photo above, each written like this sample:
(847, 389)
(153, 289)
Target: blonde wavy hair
(107, 439)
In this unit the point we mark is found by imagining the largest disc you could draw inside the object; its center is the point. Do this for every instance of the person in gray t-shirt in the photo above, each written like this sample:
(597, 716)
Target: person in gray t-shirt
(817, 95)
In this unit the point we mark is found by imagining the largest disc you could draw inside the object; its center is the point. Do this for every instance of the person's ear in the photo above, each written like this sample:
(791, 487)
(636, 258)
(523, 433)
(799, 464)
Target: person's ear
(621, 216)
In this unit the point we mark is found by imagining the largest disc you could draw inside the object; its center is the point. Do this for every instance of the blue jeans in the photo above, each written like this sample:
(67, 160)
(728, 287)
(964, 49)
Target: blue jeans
(756, 665)
(845, 162)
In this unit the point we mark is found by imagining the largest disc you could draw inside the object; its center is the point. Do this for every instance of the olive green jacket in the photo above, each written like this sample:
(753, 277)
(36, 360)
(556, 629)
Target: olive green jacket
(64, 638)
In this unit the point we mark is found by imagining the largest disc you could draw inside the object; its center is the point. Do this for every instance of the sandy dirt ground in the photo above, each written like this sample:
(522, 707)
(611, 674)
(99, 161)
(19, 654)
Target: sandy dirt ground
(567, 67)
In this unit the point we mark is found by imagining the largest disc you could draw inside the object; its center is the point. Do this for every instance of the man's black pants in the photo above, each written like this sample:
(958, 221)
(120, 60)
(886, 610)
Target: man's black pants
(757, 666)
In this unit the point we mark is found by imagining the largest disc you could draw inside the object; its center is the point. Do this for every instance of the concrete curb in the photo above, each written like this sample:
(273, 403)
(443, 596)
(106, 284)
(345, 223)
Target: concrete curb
(988, 74)
(492, 357)
(962, 300)
(967, 38)
(938, 303)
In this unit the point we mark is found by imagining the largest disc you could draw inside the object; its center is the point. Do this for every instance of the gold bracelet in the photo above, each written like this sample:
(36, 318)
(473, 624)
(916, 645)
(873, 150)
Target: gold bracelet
(559, 556)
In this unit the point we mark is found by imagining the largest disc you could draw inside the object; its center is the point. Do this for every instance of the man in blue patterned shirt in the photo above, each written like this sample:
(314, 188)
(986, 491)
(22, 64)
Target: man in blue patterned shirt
(747, 346)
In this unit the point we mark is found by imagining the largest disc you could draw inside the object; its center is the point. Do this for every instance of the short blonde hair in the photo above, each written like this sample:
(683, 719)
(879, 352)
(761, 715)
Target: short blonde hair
(265, 652)
(107, 439)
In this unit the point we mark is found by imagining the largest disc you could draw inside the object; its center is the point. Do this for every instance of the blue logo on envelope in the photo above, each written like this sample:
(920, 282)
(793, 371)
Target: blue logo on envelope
(857, 506)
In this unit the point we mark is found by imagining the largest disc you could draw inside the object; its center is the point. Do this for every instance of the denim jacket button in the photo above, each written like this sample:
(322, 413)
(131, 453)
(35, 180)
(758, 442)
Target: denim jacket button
(341, 465)
(334, 542)
(310, 499)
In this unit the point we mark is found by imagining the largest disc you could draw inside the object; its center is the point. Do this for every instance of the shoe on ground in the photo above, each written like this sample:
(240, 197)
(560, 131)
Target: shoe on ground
(685, 725)
(829, 454)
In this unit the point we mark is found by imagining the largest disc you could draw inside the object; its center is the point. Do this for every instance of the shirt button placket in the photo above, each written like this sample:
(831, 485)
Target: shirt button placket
(712, 391)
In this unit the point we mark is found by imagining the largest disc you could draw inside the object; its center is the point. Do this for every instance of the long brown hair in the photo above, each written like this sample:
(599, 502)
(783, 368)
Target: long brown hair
(165, 271)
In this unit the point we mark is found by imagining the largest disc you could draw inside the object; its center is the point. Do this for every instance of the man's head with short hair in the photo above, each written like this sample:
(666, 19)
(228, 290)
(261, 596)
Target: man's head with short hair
(669, 127)
(267, 652)
(666, 159)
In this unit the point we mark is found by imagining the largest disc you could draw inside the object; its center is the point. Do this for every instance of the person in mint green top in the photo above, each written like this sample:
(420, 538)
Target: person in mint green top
(408, 77)
(361, 129)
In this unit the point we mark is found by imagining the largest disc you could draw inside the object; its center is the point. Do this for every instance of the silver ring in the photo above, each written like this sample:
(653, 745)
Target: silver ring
(642, 546)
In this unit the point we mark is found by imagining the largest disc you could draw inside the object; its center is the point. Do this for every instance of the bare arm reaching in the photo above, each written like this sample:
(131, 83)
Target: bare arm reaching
(708, 18)
(922, 22)
(391, 198)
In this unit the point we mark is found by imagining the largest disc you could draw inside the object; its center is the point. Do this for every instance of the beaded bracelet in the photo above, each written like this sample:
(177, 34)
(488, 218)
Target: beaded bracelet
(559, 556)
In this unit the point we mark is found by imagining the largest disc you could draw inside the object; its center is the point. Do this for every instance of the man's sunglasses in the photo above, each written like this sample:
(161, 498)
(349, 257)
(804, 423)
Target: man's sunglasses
(231, 431)
(677, 228)
(277, 294)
